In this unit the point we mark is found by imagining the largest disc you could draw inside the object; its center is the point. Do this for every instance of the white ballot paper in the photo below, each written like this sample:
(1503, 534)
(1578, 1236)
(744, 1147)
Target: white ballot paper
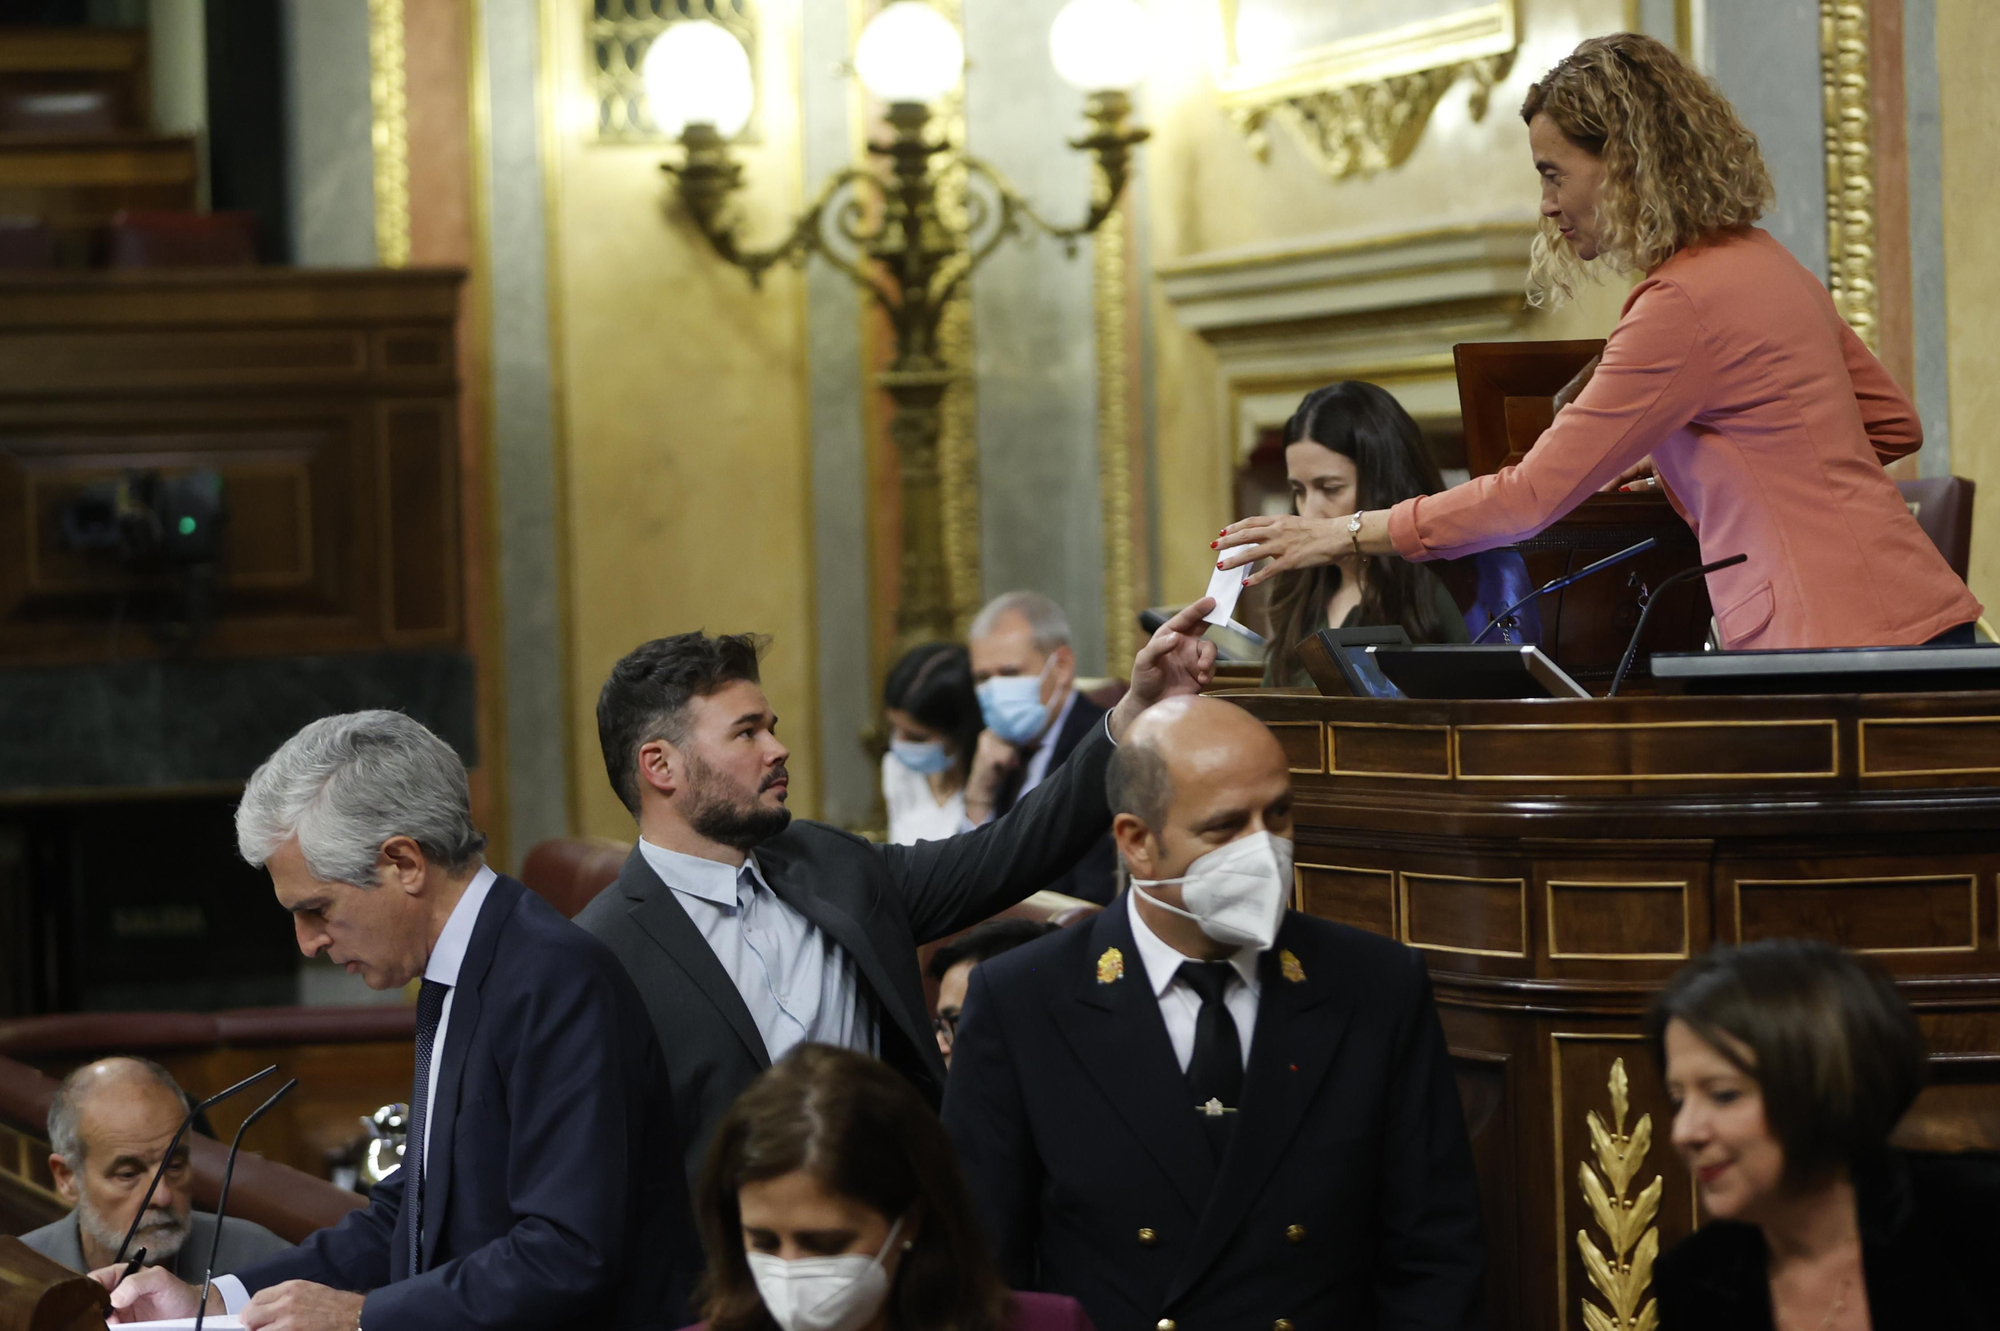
(1225, 585)
(219, 1321)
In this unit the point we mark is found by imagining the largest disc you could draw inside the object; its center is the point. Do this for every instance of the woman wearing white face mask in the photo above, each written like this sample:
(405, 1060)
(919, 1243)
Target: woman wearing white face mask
(934, 725)
(831, 1201)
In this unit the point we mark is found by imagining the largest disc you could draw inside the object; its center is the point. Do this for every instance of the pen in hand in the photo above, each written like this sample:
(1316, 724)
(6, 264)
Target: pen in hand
(138, 1260)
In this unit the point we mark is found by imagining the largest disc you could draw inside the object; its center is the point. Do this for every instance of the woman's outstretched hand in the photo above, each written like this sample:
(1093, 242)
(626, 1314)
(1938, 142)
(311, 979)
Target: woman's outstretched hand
(1291, 542)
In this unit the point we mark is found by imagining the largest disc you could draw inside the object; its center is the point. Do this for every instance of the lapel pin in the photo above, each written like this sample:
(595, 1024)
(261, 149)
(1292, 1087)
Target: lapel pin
(1213, 1109)
(1288, 966)
(1110, 966)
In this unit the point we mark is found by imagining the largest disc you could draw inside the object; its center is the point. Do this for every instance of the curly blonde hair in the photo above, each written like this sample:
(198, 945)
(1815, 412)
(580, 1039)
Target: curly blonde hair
(1678, 164)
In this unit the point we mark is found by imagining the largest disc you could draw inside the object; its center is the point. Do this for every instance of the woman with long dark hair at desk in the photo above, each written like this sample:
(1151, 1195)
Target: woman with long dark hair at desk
(1731, 383)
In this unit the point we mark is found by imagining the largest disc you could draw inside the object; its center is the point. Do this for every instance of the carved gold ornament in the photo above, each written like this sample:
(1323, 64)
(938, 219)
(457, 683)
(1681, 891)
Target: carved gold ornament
(1110, 966)
(1360, 104)
(1288, 966)
(1627, 1273)
(1850, 164)
(389, 131)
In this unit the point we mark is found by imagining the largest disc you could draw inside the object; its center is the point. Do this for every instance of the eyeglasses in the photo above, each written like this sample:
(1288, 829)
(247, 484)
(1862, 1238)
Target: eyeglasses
(944, 1025)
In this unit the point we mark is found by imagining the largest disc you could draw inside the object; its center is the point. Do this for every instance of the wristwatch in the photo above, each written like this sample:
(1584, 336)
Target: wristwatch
(1354, 530)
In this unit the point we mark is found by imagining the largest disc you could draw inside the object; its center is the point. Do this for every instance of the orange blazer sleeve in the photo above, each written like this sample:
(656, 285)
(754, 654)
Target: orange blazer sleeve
(1652, 381)
(1886, 411)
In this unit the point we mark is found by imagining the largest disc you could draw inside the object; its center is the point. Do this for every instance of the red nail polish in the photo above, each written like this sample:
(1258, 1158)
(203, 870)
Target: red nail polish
(1218, 563)
(1213, 544)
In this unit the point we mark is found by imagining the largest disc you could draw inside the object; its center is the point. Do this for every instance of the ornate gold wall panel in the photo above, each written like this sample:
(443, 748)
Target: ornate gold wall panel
(389, 131)
(1624, 1275)
(1114, 436)
(1850, 163)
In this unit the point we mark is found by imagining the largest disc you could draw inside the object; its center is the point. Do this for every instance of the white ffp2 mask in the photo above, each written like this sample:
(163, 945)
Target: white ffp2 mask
(842, 1293)
(1237, 893)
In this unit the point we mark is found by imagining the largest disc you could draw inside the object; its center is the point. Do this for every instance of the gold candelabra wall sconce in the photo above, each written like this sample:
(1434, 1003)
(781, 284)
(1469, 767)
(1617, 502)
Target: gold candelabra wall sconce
(910, 225)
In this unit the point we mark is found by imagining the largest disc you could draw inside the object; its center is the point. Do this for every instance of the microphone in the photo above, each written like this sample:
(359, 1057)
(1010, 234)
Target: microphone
(1507, 616)
(174, 1145)
(222, 1201)
(1653, 599)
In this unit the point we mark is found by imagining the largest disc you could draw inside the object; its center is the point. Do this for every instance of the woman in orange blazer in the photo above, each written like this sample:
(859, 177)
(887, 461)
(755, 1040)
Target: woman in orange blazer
(1730, 381)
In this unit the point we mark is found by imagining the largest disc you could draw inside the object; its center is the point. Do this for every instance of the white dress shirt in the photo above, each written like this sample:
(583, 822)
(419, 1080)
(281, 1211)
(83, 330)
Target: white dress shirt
(447, 956)
(1180, 1005)
(798, 984)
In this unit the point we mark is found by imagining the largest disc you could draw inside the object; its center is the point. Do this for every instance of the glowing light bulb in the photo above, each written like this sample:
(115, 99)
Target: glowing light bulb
(1101, 45)
(696, 72)
(909, 53)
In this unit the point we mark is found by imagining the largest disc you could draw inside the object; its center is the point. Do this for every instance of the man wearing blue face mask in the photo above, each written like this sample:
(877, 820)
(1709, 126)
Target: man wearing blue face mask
(1204, 1109)
(1024, 670)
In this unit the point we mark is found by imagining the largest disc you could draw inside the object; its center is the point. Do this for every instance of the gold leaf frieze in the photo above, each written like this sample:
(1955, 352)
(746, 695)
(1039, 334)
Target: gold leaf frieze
(1623, 1275)
(1369, 127)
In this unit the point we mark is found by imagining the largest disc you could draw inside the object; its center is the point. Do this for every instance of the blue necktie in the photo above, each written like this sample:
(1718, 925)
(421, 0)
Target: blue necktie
(430, 1007)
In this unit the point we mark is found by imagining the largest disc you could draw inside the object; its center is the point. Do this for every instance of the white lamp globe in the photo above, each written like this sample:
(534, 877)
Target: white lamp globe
(909, 53)
(1101, 45)
(696, 72)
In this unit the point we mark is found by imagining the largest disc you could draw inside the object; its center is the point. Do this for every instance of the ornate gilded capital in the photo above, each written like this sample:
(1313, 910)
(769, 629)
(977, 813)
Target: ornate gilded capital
(1623, 1275)
(1360, 104)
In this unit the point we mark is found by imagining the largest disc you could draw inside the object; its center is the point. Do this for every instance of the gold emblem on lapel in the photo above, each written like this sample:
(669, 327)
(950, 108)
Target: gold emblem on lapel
(1288, 966)
(1110, 966)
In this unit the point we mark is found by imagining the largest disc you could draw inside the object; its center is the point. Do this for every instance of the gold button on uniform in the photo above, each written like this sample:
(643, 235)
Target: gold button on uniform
(1295, 1233)
(1167, 1324)
(1148, 1237)
(1283, 1323)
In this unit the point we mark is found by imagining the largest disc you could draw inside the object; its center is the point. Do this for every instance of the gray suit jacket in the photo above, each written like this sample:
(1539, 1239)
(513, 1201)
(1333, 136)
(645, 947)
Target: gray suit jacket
(877, 902)
(244, 1244)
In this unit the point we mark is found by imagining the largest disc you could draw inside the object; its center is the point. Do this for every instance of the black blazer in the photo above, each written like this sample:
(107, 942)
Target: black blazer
(877, 902)
(1930, 1229)
(1346, 1199)
(1095, 876)
(551, 1198)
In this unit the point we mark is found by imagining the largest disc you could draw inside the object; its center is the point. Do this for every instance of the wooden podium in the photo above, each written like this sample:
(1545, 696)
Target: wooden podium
(37, 1294)
(1555, 861)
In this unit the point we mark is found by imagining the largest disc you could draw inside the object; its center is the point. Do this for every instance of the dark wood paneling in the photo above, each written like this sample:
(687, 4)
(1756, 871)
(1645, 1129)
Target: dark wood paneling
(1453, 913)
(1376, 750)
(1552, 906)
(326, 402)
(1364, 898)
(1304, 743)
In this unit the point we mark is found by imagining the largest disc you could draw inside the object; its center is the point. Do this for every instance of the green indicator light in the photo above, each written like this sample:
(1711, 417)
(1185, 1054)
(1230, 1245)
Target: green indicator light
(187, 526)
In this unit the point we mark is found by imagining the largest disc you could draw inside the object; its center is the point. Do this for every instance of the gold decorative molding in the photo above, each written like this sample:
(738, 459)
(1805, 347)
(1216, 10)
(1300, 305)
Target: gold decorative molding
(1623, 1277)
(616, 36)
(389, 130)
(1844, 60)
(1114, 435)
(1360, 104)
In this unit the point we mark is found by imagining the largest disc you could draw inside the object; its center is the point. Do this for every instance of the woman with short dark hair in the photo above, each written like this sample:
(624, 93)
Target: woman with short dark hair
(1352, 446)
(831, 1201)
(1789, 1064)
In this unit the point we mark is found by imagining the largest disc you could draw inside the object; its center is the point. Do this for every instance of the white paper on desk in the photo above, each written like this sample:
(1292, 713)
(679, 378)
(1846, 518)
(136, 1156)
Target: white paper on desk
(220, 1322)
(1225, 585)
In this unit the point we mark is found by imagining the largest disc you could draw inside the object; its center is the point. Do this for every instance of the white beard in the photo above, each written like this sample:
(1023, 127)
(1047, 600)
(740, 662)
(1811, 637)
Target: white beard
(161, 1235)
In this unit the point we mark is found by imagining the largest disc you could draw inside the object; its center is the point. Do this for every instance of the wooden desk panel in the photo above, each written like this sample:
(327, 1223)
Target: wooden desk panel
(1556, 861)
(326, 401)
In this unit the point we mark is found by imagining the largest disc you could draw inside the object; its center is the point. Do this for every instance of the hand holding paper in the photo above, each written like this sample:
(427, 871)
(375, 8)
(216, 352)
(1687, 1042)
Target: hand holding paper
(1225, 586)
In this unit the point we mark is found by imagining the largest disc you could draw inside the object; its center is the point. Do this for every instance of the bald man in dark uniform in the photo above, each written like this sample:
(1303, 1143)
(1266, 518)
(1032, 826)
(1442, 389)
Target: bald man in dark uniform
(1203, 1109)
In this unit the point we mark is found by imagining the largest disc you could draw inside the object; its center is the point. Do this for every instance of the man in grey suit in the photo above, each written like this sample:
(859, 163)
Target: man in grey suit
(748, 933)
(109, 1125)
